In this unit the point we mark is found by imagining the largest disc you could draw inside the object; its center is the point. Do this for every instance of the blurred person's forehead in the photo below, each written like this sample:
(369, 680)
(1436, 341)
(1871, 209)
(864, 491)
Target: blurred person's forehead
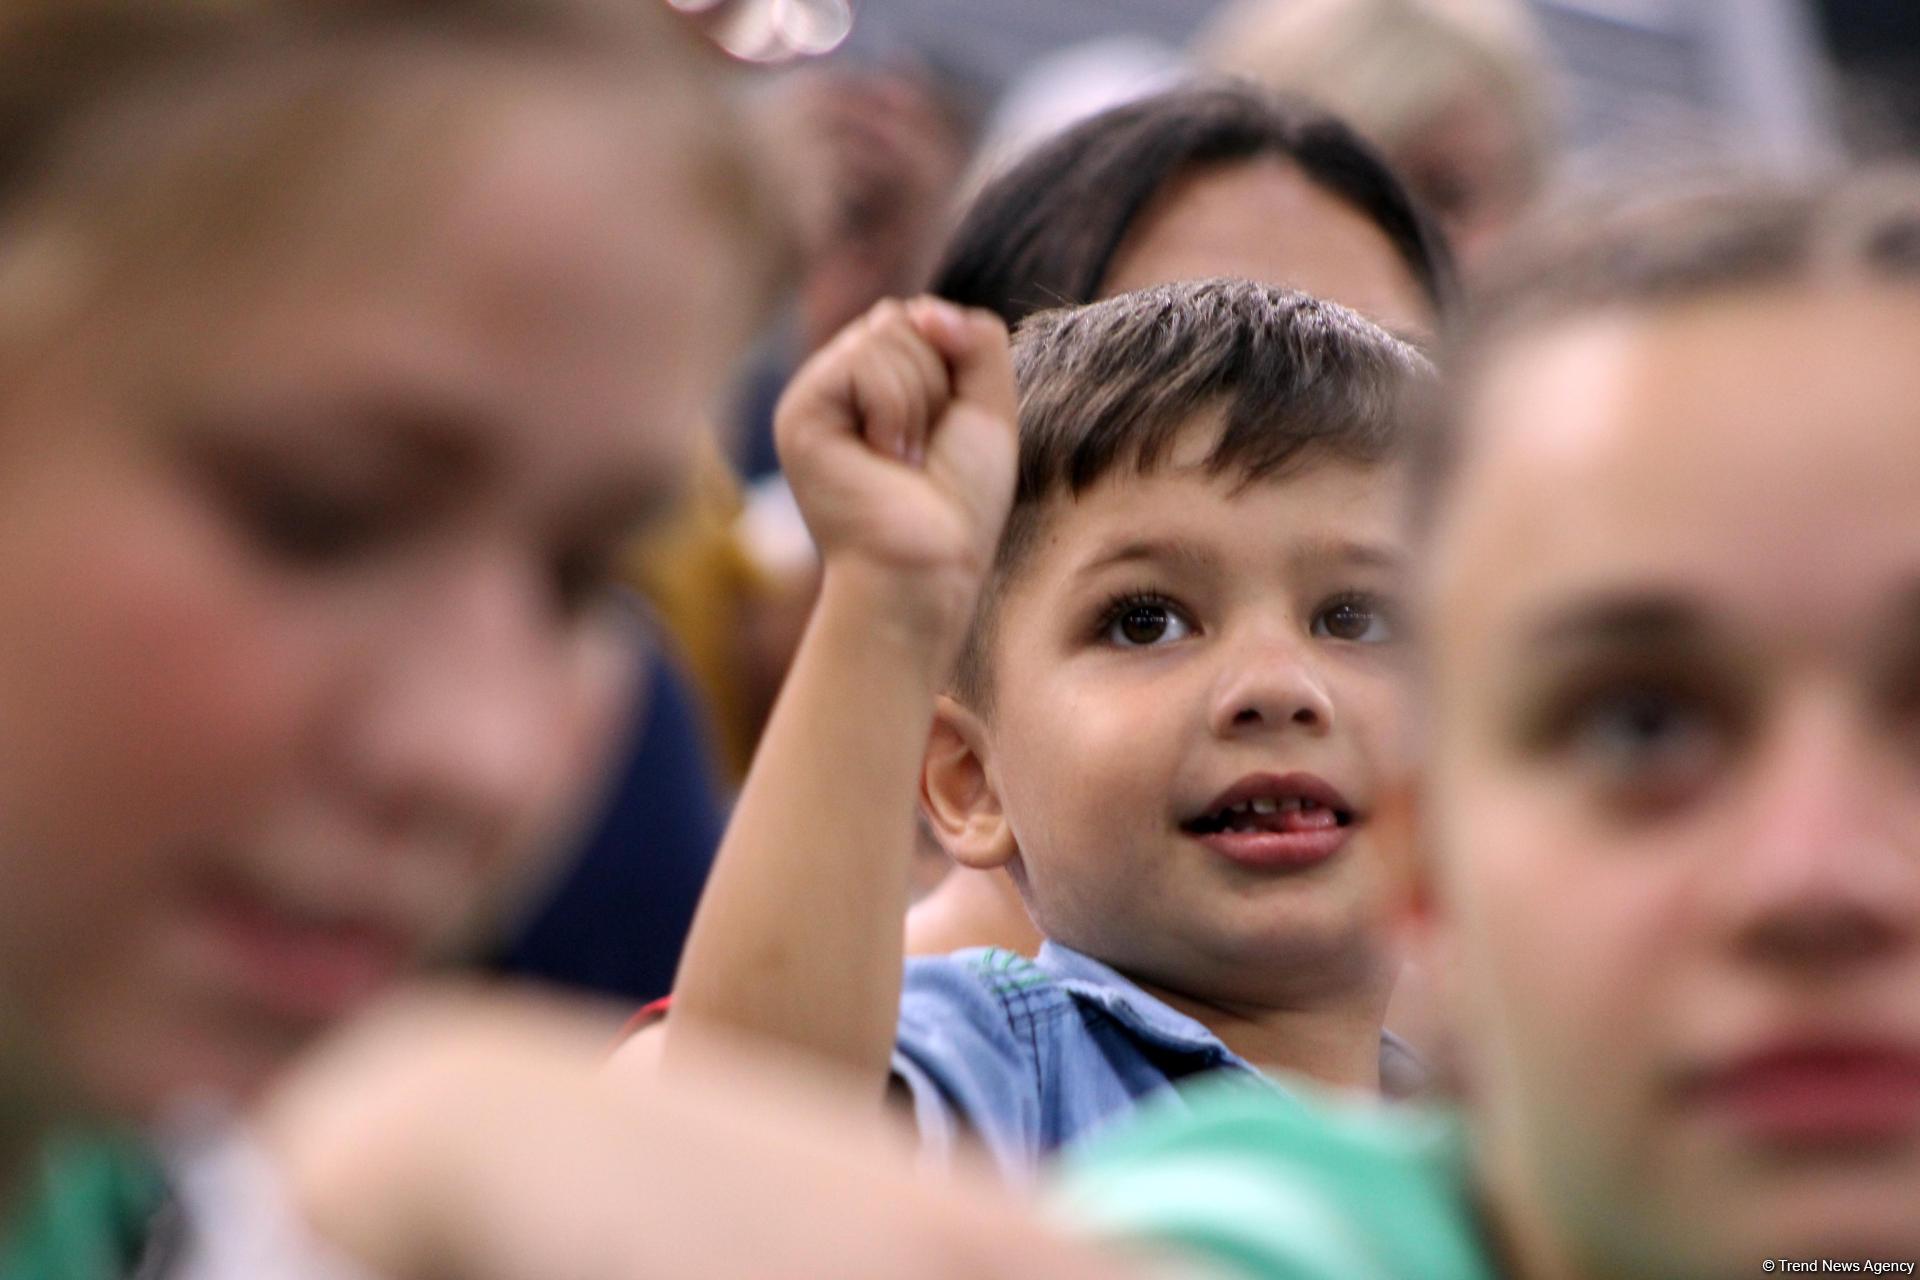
(330, 182)
(1725, 447)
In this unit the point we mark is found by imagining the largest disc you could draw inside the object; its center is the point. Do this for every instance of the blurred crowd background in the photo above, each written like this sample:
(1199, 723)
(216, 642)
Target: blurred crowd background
(879, 117)
(370, 531)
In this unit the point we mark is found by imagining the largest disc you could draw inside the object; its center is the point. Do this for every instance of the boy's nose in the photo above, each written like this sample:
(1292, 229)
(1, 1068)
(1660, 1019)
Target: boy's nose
(1271, 687)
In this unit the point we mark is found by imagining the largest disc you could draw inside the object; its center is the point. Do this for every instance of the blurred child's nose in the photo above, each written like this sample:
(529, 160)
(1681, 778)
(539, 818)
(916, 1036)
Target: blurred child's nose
(469, 712)
(1268, 681)
(1824, 870)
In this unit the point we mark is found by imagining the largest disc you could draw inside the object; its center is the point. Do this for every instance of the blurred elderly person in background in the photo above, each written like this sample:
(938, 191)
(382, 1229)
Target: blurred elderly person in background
(1456, 92)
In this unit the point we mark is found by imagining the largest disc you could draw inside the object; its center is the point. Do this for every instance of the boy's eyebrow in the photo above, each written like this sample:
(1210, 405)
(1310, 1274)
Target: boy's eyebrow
(1149, 551)
(1350, 553)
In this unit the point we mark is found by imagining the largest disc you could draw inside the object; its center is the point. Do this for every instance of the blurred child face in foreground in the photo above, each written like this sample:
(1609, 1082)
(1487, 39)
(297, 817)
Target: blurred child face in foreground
(301, 552)
(1184, 663)
(1677, 779)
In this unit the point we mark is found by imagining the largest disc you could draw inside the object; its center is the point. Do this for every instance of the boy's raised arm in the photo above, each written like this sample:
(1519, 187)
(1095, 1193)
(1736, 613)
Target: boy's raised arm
(899, 441)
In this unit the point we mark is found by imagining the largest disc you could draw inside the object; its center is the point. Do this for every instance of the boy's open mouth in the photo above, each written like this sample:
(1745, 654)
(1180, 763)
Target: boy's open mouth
(1293, 813)
(1281, 803)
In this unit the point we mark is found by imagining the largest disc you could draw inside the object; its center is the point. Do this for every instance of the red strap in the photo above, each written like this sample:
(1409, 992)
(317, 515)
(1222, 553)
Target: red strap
(649, 1014)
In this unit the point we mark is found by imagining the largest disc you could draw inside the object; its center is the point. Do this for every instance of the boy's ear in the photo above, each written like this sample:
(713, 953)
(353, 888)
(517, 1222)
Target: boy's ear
(956, 794)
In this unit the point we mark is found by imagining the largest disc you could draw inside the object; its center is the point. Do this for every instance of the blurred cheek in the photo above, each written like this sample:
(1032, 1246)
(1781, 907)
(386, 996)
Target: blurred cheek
(153, 694)
(611, 679)
(148, 684)
(603, 706)
(1553, 938)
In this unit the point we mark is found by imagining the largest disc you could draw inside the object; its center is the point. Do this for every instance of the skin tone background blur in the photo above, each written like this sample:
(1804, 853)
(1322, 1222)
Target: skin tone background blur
(1673, 788)
(308, 648)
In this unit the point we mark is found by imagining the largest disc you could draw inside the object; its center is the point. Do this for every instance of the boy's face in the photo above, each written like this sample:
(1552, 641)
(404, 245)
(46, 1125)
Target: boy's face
(305, 643)
(1177, 644)
(1676, 781)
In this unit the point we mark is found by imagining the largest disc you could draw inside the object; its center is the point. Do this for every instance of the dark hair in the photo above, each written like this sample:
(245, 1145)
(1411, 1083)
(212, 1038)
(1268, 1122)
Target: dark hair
(1044, 233)
(1113, 385)
(1638, 251)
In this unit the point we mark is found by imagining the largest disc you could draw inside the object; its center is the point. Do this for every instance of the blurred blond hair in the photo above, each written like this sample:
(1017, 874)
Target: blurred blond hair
(144, 142)
(1395, 68)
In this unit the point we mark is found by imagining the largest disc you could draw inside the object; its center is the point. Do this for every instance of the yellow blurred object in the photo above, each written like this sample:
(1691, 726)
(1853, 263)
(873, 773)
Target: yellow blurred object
(734, 619)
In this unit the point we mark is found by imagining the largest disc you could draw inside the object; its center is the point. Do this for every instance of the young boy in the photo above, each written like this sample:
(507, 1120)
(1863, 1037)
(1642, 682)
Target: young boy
(1177, 692)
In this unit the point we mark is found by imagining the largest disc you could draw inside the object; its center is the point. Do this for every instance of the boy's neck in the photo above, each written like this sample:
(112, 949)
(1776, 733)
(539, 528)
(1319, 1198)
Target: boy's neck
(971, 909)
(1335, 1042)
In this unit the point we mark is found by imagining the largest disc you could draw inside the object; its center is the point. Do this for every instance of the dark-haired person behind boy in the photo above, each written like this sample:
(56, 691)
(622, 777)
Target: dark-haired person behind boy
(1212, 178)
(1177, 703)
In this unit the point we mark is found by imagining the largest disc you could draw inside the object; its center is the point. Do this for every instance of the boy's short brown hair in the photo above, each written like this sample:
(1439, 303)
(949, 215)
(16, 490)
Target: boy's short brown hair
(1115, 383)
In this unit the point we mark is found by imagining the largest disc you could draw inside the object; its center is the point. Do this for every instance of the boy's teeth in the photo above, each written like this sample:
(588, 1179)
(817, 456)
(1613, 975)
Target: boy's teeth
(1267, 806)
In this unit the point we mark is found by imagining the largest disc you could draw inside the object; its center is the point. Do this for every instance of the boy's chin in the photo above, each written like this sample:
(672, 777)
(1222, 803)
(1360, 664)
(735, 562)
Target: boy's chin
(1306, 962)
(1262, 969)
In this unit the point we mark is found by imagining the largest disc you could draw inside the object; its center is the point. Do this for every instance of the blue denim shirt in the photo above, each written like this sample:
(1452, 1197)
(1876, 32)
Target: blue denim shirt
(1030, 1055)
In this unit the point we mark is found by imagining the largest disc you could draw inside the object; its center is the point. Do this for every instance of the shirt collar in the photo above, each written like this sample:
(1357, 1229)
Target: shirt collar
(1146, 1017)
(1402, 1074)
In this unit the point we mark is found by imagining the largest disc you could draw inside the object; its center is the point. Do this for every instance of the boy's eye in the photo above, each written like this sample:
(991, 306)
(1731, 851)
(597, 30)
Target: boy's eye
(1137, 624)
(1355, 618)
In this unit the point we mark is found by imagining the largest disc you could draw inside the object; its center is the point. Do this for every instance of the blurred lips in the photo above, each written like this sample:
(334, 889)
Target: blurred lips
(296, 960)
(1275, 821)
(1814, 1093)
